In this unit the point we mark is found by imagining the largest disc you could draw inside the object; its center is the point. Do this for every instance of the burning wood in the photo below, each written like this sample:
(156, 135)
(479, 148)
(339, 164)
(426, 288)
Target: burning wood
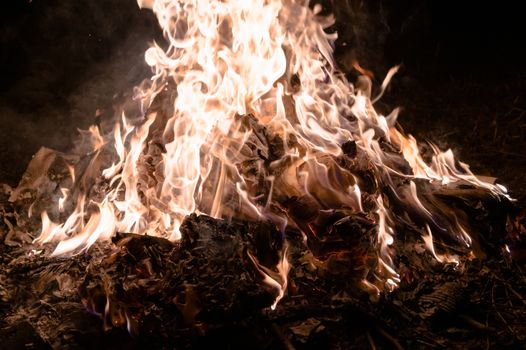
(257, 173)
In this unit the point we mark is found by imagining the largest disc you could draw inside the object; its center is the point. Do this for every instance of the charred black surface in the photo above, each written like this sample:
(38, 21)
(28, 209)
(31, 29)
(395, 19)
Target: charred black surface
(146, 291)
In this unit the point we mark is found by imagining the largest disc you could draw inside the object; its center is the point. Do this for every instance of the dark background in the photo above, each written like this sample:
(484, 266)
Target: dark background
(461, 85)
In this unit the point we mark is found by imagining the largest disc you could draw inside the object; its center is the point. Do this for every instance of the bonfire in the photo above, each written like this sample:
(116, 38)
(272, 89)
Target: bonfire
(252, 177)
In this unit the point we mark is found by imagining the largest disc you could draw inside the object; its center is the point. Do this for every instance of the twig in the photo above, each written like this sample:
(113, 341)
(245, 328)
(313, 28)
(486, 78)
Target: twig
(517, 294)
(508, 286)
(509, 153)
(371, 341)
(426, 343)
(478, 325)
(484, 289)
(391, 339)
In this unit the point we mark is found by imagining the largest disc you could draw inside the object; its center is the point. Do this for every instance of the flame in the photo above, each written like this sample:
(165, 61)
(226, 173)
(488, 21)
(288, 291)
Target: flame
(443, 258)
(277, 280)
(246, 109)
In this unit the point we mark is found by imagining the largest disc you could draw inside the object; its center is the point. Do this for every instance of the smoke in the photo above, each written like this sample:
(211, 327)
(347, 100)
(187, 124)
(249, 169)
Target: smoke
(62, 61)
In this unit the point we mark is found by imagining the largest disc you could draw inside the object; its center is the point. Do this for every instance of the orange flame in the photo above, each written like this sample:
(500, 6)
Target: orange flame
(259, 116)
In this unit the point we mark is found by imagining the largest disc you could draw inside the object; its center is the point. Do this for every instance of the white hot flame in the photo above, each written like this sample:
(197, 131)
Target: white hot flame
(258, 115)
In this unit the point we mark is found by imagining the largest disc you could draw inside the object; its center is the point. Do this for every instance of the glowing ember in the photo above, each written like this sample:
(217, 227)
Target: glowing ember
(244, 112)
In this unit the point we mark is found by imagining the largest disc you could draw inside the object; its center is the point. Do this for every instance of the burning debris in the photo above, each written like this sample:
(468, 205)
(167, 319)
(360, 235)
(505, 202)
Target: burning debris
(246, 117)
(255, 175)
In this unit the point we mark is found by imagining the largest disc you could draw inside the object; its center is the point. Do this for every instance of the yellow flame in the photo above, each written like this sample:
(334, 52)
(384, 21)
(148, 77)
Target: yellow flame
(443, 258)
(277, 280)
(258, 116)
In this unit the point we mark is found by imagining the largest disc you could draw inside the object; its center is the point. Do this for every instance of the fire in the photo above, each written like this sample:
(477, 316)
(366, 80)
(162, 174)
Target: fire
(246, 110)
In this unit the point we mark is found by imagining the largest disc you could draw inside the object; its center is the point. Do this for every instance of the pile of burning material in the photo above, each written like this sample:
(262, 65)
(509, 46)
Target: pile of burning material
(253, 188)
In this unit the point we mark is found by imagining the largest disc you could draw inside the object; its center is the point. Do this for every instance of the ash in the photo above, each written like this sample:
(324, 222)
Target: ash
(139, 291)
